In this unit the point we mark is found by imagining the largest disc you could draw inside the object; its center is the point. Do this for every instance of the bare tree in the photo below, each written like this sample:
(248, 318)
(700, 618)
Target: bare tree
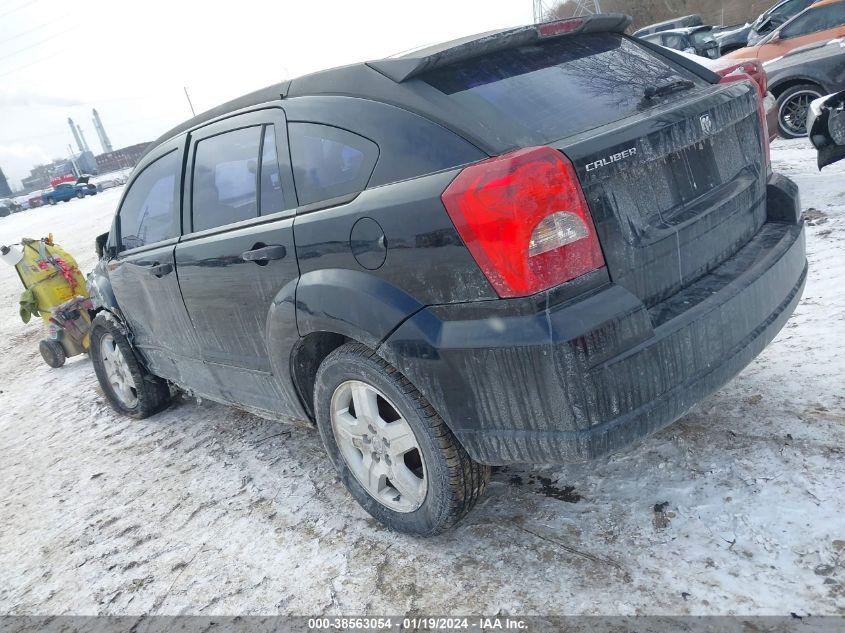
(646, 12)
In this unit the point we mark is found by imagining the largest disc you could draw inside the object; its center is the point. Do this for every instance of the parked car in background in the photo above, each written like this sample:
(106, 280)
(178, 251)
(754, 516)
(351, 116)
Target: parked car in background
(5, 207)
(697, 40)
(800, 77)
(68, 191)
(23, 202)
(821, 22)
(36, 199)
(485, 252)
(755, 69)
(676, 23)
(109, 181)
(11, 204)
(778, 15)
(826, 124)
(731, 38)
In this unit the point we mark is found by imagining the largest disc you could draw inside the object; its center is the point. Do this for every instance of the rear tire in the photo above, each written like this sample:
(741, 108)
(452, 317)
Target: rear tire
(129, 388)
(52, 352)
(793, 105)
(52, 201)
(80, 195)
(434, 481)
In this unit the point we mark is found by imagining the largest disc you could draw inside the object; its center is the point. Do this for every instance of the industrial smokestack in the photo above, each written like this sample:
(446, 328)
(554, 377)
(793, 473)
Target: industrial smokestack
(82, 136)
(101, 132)
(75, 134)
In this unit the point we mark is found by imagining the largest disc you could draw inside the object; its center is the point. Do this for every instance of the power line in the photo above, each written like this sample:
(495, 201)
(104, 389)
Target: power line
(37, 61)
(18, 8)
(39, 43)
(36, 28)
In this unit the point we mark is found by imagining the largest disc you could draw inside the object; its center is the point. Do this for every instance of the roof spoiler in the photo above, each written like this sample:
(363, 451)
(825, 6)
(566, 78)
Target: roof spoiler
(412, 64)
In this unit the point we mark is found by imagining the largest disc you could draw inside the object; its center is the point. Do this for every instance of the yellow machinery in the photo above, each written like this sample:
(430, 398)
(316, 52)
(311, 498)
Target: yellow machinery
(55, 290)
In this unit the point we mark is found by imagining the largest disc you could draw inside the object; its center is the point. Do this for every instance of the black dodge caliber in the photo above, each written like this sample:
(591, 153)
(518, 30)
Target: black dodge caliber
(536, 245)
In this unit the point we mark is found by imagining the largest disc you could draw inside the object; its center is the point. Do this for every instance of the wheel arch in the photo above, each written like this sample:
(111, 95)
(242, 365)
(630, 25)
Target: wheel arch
(323, 309)
(782, 86)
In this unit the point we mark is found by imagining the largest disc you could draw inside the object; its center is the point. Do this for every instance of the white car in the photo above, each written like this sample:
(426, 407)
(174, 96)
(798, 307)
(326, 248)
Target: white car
(109, 181)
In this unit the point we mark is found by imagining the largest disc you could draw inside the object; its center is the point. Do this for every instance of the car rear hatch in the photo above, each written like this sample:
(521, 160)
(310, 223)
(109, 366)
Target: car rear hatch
(676, 191)
(672, 166)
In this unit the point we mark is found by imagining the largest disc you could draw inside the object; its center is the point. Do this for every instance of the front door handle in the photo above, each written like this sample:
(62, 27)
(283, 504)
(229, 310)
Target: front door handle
(160, 270)
(264, 254)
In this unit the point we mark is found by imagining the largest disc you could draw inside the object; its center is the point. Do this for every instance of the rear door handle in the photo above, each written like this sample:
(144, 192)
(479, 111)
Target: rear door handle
(265, 254)
(160, 270)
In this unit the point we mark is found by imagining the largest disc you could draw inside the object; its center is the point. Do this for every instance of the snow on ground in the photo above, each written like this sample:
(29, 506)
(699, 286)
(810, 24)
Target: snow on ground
(735, 509)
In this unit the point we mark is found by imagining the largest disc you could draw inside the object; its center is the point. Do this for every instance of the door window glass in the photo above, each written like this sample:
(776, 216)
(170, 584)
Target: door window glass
(224, 179)
(329, 162)
(814, 20)
(147, 213)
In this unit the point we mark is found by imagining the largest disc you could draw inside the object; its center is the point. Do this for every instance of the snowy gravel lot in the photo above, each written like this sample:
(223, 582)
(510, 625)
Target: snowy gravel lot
(738, 508)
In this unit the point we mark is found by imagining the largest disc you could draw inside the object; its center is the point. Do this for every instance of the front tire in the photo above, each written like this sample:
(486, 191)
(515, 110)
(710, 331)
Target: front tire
(393, 452)
(793, 105)
(129, 388)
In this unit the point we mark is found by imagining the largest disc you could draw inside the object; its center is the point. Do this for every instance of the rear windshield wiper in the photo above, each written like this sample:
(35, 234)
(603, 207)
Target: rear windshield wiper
(665, 89)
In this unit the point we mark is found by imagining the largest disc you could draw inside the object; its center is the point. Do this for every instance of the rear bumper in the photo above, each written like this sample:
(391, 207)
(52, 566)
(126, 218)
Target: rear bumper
(543, 382)
(771, 107)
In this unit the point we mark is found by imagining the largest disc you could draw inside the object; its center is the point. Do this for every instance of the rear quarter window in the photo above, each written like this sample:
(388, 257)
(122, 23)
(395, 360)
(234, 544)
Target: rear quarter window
(561, 87)
(329, 162)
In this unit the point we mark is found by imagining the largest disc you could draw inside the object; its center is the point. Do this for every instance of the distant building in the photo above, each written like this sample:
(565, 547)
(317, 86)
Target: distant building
(41, 175)
(124, 158)
(5, 189)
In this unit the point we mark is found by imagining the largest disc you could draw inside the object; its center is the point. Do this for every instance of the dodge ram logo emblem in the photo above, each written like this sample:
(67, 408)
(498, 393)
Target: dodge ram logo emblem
(706, 124)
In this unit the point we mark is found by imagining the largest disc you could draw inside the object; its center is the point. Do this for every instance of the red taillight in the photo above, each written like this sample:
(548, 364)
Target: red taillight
(761, 107)
(754, 69)
(525, 221)
(559, 27)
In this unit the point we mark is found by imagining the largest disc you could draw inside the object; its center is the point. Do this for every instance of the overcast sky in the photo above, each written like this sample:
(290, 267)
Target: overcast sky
(60, 59)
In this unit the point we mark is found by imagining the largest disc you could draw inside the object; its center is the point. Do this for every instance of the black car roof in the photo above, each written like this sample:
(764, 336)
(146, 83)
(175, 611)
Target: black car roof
(380, 79)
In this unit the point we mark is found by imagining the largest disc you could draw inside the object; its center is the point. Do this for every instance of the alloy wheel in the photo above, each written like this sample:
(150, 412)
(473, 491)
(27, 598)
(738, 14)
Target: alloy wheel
(379, 446)
(117, 372)
(793, 111)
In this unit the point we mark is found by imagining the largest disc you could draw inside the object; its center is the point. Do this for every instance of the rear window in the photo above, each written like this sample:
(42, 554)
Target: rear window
(702, 37)
(560, 87)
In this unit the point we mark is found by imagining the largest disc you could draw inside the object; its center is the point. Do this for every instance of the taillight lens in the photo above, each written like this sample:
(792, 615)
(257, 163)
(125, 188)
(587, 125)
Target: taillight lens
(559, 27)
(761, 107)
(754, 69)
(525, 221)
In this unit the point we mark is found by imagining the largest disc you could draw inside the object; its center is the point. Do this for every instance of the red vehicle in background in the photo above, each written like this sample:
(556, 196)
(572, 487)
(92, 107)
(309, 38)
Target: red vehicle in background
(35, 199)
(754, 69)
(55, 182)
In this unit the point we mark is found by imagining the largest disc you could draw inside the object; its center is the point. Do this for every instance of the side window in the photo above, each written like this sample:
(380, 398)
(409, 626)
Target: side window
(673, 40)
(147, 213)
(792, 8)
(224, 179)
(272, 199)
(815, 20)
(329, 162)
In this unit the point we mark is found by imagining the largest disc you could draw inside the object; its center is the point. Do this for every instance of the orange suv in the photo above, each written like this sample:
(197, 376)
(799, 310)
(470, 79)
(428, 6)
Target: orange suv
(824, 20)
